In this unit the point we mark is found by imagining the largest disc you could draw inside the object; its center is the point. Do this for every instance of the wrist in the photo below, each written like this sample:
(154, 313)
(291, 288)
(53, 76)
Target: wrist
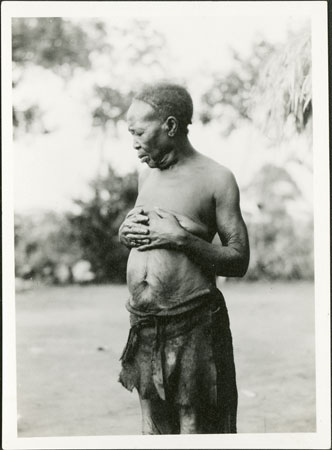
(182, 240)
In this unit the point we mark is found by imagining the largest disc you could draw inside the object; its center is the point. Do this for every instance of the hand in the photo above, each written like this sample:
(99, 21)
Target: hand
(164, 231)
(134, 230)
(193, 227)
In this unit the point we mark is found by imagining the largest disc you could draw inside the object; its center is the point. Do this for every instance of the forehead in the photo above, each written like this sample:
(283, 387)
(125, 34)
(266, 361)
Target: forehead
(140, 112)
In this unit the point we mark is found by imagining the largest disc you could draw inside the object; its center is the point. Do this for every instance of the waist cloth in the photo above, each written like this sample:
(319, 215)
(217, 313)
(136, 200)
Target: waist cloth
(186, 359)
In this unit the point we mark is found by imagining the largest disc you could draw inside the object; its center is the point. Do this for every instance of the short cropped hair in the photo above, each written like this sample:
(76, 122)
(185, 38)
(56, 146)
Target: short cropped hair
(169, 99)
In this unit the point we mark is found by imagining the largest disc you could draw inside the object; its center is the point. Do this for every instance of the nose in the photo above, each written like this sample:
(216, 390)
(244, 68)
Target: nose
(137, 145)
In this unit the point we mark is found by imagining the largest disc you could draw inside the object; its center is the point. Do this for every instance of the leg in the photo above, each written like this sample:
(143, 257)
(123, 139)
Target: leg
(188, 420)
(158, 417)
(207, 420)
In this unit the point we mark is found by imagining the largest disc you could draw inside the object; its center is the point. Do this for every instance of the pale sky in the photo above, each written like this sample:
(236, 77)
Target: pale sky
(52, 169)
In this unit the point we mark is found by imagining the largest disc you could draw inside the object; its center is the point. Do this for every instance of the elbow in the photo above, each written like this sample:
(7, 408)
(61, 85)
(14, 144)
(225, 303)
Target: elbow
(237, 268)
(242, 264)
(242, 267)
(238, 271)
(242, 271)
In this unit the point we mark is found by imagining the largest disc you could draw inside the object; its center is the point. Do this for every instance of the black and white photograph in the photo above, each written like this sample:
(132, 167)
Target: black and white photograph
(165, 225)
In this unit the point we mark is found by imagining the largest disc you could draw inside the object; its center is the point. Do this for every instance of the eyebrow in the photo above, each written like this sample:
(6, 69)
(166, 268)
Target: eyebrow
(135, 127)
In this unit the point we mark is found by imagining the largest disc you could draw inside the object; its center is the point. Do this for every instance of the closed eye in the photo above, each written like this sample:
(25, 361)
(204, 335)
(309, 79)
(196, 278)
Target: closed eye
(135, 133)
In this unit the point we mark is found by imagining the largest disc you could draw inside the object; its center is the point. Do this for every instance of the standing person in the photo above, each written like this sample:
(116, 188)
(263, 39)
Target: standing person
(179, 353)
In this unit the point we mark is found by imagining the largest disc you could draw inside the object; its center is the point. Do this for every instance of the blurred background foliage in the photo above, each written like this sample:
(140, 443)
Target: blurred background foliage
(268, 90)
(97, 222)
(271, 87)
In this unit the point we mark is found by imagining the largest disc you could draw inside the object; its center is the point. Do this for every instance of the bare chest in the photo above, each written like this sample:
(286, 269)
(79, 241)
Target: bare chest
(187, 194)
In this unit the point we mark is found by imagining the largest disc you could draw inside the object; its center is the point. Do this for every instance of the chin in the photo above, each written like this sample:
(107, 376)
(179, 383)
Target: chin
(152, 164)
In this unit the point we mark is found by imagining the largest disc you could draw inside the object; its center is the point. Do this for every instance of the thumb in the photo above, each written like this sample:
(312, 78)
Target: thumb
(136, 210)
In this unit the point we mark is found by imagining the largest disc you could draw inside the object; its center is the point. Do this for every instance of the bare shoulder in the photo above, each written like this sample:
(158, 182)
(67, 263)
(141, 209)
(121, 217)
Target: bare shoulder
(221, 179)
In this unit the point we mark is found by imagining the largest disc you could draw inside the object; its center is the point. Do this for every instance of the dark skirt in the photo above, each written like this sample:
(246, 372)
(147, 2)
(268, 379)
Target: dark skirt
(186, 360)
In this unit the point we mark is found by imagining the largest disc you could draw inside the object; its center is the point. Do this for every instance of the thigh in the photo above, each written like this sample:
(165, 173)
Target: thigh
(159, 417)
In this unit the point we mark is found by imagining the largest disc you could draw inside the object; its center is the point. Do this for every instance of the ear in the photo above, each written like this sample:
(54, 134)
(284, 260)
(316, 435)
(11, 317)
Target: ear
(172, 126)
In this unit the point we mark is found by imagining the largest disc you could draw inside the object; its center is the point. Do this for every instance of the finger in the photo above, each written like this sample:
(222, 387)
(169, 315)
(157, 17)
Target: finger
(140, 218)
(130, 223)
(137, 230)
(136, 237)
(132, 244)
(142, 248)
(136, 210)
(136, 226)
(142, 241)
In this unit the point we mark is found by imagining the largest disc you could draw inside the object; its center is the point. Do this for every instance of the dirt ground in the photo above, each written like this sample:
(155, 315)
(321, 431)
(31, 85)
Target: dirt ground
(69, 341)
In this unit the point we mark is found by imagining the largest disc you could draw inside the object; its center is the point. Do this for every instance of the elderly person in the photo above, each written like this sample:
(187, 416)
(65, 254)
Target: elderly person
(179, 354)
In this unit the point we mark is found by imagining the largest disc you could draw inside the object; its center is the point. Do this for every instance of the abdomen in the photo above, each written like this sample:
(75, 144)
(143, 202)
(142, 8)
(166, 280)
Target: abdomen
(158, 279)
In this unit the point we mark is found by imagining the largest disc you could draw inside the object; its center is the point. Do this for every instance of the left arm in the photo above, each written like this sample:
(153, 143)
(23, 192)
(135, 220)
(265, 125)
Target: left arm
(232, 258)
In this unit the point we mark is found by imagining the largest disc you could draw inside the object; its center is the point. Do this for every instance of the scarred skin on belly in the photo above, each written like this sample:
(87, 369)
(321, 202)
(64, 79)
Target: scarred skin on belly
(159, 279)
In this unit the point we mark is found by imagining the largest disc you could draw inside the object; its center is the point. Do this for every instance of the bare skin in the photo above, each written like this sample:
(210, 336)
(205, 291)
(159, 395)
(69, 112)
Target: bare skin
(184, 199)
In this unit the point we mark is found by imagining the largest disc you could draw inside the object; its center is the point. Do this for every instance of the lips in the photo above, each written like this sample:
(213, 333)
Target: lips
(143, 158)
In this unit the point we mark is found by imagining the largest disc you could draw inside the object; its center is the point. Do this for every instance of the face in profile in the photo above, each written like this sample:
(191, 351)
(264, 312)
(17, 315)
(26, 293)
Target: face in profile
(150, 137)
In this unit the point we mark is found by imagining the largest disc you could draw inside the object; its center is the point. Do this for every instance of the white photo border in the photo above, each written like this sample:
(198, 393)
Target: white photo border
(317, 11)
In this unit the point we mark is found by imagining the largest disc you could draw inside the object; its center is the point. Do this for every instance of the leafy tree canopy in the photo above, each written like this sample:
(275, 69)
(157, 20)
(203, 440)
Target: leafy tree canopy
(270, 88)
(283, 94)
(62, 46)
(229, 98)
(54, 43)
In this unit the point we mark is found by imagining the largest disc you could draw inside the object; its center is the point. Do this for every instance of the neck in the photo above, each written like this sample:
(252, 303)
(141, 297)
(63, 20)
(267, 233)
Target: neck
(179, 152)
